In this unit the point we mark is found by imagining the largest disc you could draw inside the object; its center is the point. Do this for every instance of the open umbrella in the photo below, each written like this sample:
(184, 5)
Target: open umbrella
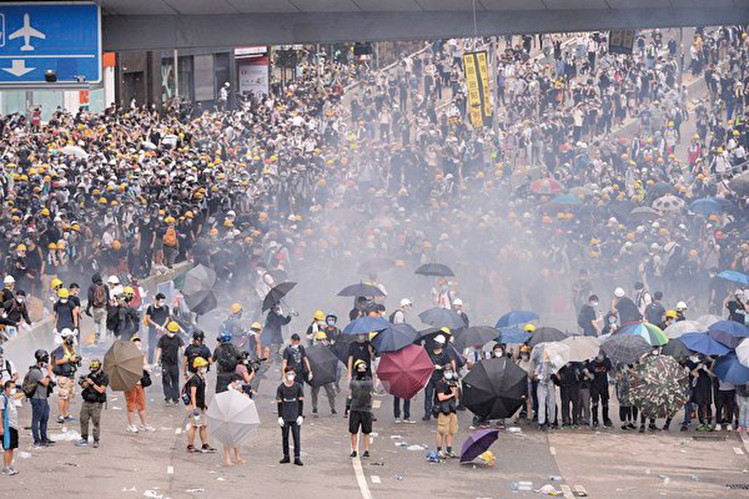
(546, 186)
(394, 338)
(581, 191)
(361, 289)
(704, 206)
(729, 369)
(475, 335)
(677, 329)
(676, 349)
(643, 214)
(513, 334)
(366, 325)
(232, 416)
(669, 203)
(707, 320)
(558, 354)
(442, 317)
(75, 151)
(625, 348)
(324, 363)
(582, 348)
(276, 294)
(495, 388)
(123, 364)
(405, 372)
(198, 289)
(659, 386)
(703, 343)
(730, 333)
(734, 276)
(435, 270)
(742, 352)
(545, 335)
(477, 444)
(426, 336)
(566, 199)
(649, 332)
(516, 317)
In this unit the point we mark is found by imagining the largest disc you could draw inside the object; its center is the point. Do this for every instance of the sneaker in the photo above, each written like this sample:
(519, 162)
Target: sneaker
(9, 471)
(666, 427)
(60, 420)
(298, 462)
(425, 418)
(608, 424)
(353, 454)
(642, 429)
(365, 455)
(632, 426)
(48, 443)
(625, 427)
(702, 427)
(132, 429)
(409, 421)
(333, 412)
(397, 421)
(451, 455)
(285, 460)
(314, 415)
(729, 427)
(192, 450)
(684, 427)
(652, 427)
(70, 418)
(442, 454)
(96, 444)
(207, 448)
(147, 428)
(718, 427)
(81, 443)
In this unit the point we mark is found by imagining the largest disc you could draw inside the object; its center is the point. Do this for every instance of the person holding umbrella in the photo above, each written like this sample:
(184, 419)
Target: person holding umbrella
(135, 397)
(290, 401)
(322, 339)
(360, 417)
(446, 400)
(274, 321)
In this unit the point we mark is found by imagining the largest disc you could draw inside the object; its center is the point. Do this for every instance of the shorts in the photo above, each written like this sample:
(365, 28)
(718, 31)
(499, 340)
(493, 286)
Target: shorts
(12, 441)
(447, 424)
(136, 399)
(198, 421)
(358, 419)
(65, 388)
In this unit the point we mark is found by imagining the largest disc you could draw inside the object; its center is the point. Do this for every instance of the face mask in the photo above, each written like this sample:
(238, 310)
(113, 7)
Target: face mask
(160, 303)
(203, 370)
(19, 299)
(290, 377)
(295, 347)
(170, 334)
(694, 358)
(331, 323)
(594, 304)
(654, 351)
(448, 375)
(69, 341)
(63, 300)
(13, 392)
(497, 352)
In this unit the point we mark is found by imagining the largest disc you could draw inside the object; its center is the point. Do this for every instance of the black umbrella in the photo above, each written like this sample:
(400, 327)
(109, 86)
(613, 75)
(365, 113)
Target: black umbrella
(324, 363)
(442, 317)
(198, 289)
(644, 214)
(340, 349)
(625, 348)
(676, 349)
(276, 294)
(427, 336)
(495, 388)
(435, 270)
(546, 334)
(476, 335)
(621, 208)
(361, 289)
(394, 338)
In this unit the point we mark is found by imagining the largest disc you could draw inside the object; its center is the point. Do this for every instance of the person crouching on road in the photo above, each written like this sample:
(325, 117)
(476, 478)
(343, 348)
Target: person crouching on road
(290, 400)
(94, 386)
(446, 399)
(360, 416)
(195, 390)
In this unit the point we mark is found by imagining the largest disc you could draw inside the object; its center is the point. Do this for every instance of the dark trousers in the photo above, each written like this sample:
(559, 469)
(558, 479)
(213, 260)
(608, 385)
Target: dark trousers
(429, 398)
(397, 408)
(725, 406)
(570, 397)
(600, 394)
(627, 414)
(39, 419)
(297, 439)
(705, 412)
(170, 381)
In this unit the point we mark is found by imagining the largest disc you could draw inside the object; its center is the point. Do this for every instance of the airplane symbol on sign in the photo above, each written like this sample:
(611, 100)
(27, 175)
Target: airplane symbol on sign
(27, 32)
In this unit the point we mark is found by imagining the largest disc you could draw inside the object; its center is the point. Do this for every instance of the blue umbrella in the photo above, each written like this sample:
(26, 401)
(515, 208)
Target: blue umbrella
(442, 317)
(703, 343)
(394, 338)
(366, 325)
(730, 370)
(516, 317)
(513, 334)
(730, 333)
(734, 276)
(704, 206)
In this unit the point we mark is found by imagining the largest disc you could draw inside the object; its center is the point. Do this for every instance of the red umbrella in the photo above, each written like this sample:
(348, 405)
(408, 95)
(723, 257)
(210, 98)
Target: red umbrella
(406, 371)
(546, 186)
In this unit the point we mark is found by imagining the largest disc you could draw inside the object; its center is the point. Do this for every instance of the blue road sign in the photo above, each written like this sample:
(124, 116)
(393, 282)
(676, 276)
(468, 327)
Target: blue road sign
(39, 36)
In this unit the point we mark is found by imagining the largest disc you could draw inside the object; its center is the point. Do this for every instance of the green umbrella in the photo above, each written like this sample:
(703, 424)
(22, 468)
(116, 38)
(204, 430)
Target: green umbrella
(659, 386)
(123, 364)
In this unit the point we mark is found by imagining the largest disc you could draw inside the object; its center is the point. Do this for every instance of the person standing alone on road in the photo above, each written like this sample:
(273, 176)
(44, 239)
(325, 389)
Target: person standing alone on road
(94, 395)
(168, 352)
(361, 388)
(36, 386)
(290, 400)
(9, 426)
(195, 391)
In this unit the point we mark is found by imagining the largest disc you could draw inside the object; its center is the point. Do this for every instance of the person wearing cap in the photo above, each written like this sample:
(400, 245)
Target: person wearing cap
(168, 354)
(322, 339)
(587, 318)
(626, 309)
(642, 297)
(94, 393)
(195, 349)
(399, 316)
(317, 325)
(440, 359)
(250, 342)
(360, 417)
(66, 314)
(65, 362)
(157, 318)
(295, 356)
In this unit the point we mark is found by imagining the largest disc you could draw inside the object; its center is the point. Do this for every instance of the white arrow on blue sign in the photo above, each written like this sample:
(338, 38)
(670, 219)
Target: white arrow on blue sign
(42, 36)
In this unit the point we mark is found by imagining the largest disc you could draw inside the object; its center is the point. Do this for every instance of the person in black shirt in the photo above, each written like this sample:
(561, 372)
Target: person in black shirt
(74, 290)
(599, 388)
(195, 390)
(655, 313)
(737, 308)
(193, 351)
(446, 400)
(16, 310)
(587, 318)
(295, 356)
(157, 317)
(94, 394)
(440, 359)
(361, 349)
(168, 355)
(361, 408)
(271, 335)
(625, 308)
(290, 400)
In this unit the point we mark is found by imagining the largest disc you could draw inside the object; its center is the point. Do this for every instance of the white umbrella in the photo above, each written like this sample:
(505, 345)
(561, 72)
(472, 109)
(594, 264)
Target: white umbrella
(582, 348)
(676, 329)
(558, 354)
(742, 352)
(232, 416)
(708, 320)
(669, 203)
(76, 151)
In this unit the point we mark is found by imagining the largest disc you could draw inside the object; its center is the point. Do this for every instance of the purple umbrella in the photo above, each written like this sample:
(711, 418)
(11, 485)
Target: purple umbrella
(477, 444)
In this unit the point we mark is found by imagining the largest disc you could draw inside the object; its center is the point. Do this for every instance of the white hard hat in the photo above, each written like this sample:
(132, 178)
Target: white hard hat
(619, 293)
(9, 279)
(457, 302)
(113, 279)
(440, 339)
(405, 302)
(118, 290)
(66, 332)
(739, 292)
(681, 306)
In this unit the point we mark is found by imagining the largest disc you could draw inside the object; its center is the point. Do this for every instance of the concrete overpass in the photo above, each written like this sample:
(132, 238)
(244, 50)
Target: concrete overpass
(183, 24)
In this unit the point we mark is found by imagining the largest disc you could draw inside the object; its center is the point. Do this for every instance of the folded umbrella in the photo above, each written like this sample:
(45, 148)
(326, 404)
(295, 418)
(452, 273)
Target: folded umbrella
(557, 353)
(323, 363)
(516, 317)
(495, 388)
(405, 372)
(366, 325)
(730, 333)
(625, 348)
(394, 338)
(734, 276)
(683, 327)
(582, 348)
(659, 386)
(232, 416)
(513, 334)
(435, 270)
(361, 289)
(729, 369)
(704, 344)
(476, 335)
(676, 349)
(649, 332)
(123, 364)
(442, 317)
(276, 294)
(477, 444)
(546, 335)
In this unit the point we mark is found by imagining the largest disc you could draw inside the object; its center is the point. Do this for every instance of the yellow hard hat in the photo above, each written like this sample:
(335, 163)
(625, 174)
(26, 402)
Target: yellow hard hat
(189, 214)
(172, 326)
(199, 362)
(102, 200)
(529, 328)
(56, 283)
(128, 290)
(257, 326)
(319, 315)
(169, 220)
(52, 246)
(235, 308)
(358, 363)
(445, 330)
(45, 212)
(63, 293)
(321, 335)
(671, 314)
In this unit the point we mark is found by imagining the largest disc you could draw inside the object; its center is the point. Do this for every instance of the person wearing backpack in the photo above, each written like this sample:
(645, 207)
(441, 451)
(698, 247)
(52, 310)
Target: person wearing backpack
(37, 384)
(171, 242)
(98, 299)
(226, 355)
(94, 393)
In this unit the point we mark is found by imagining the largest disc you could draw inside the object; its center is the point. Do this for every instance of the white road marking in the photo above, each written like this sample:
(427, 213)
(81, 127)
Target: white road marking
(376, 404)
(375, 479)
(739, 451)
(553, 451)
(361, 479)
(567, 491)
(178, 431)
(170, 470)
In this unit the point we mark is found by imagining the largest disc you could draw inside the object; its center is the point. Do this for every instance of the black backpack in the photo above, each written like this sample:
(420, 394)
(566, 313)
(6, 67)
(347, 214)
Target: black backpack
(228, 358)
(29, 386)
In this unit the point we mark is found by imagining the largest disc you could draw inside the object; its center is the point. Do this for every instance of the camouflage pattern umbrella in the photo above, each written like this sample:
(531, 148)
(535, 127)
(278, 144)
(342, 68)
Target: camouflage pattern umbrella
(659, 386)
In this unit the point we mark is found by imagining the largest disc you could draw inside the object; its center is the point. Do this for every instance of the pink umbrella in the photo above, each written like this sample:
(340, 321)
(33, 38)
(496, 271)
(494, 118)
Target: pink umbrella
(405, 372)
(546, 186)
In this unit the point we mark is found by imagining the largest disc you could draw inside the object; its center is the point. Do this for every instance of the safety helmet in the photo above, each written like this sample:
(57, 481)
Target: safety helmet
(358, 363)
(198, 335)
(671, 314)
(56, 283)
(529, 328)
(457, 302)
(169, 220)
(45, 212)
(445, 330)
(113, 279)
(319, 315)
(172, 326)
(235, 308)
(405, 302)
(63, 293)
(619, 293)
(52, 246)
(41, 355)
(21, 247)
(525, 349)
(9, 279)
(199, 362)
(224, 336)
(66, 332)
(440, 339)
(128, 291)
(321, 335)
(256, 326)
(94, 364)
(681, 306)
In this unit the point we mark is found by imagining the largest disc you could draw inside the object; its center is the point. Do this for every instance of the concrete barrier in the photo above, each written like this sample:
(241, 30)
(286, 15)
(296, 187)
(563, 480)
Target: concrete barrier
(21, 349)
